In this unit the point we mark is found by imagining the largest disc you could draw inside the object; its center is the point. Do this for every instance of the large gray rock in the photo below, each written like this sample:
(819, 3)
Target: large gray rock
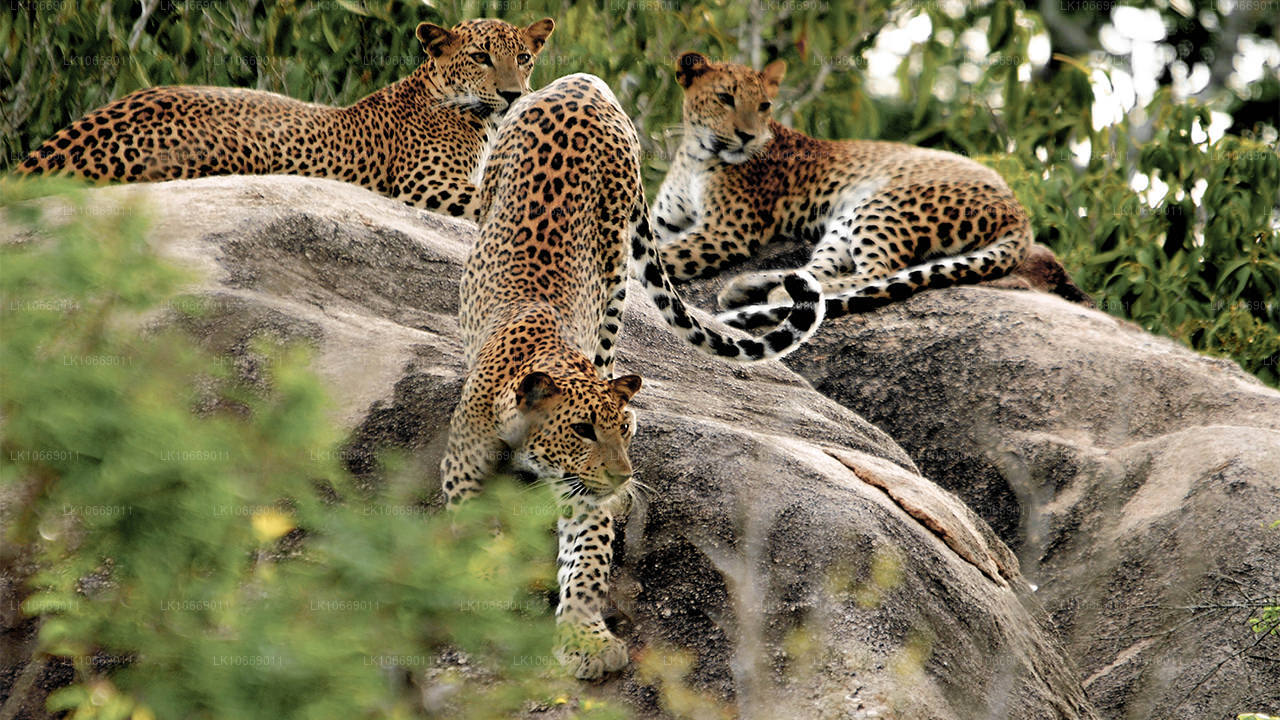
(790, 546)
(1136, 480)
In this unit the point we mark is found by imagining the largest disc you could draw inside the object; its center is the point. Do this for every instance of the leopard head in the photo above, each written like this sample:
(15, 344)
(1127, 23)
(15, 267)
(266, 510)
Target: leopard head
(483, 65)
(574, 431)
(727, 106)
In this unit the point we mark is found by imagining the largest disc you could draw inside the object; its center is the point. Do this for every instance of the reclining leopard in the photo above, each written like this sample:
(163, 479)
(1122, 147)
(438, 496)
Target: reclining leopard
(563, 216)
(886, 219)
(421, 139)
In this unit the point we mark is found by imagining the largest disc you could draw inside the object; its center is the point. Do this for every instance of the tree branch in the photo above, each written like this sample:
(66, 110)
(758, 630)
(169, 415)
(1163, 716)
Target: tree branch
(135, 35)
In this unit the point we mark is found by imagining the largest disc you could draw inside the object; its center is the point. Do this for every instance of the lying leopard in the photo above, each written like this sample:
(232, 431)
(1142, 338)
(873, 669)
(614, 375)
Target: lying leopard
(421, 139)
(886, 219)
(563, 216)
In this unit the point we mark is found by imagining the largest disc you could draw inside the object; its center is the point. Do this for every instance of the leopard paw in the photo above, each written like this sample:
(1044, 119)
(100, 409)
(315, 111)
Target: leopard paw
(588, 653)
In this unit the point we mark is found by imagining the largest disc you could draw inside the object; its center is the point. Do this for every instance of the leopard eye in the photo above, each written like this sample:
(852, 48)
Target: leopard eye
(764, 106)
(481, 57)
(725, 98)
(584, 430)
(523, 58)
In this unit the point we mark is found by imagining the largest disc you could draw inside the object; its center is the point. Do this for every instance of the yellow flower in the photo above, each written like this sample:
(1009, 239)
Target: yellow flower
(270, 524)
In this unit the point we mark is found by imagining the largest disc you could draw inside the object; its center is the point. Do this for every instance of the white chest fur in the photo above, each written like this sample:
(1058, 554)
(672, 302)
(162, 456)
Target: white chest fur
(490, 135)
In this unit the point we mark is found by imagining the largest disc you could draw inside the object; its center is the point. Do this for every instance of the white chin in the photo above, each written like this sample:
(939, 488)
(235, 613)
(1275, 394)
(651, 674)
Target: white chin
(734, 157)
(703, 153)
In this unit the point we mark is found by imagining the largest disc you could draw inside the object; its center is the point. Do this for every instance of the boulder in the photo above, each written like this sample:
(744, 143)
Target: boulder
(1137, 481)
(789, 547)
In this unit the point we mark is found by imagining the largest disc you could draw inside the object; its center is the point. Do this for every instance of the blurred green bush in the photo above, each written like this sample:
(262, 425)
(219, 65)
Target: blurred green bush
(191, 545)
(1205, 273)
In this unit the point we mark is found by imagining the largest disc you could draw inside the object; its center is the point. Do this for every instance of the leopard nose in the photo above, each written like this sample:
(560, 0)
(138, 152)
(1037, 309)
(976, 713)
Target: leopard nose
(744, 137)
(510, 95)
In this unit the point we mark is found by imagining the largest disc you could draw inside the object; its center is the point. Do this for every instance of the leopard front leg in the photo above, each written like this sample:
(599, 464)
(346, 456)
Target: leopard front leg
(585, 646)
(705, 251)
(675, 209)
(700, 229)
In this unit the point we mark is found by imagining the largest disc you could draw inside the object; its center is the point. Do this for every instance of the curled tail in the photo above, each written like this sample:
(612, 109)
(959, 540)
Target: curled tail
(802, 318)
(984, 263)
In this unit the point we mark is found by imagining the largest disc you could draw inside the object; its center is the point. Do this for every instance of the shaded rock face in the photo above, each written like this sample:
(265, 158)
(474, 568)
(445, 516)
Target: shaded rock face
(1135, 479)
(793, 548)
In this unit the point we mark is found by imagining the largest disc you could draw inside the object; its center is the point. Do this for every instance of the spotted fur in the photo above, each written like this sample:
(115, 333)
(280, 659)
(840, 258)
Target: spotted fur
(886, 219)
(420, 139)
(563, 217)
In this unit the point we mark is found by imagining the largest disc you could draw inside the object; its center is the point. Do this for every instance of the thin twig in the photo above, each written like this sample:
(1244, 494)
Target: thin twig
(1217, 667)
(148, 7)
(820, 80)
(1250, 604)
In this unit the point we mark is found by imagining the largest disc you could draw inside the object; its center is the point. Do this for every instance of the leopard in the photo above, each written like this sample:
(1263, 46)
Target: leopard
(885, 219)
(421, 140)
(564, 225)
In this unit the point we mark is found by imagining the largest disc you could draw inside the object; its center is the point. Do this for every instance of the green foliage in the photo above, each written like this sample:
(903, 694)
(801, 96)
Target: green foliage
(1267, 622)
(62, 58)
(201, 536)
(1205, 273)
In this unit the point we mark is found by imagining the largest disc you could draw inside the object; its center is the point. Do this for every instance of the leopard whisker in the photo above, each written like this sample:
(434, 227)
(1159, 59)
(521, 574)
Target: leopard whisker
(640, 487)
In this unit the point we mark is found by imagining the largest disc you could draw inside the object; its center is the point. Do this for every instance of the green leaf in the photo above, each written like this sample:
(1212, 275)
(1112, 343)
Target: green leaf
(67, 698)
(352, 7)
(334, 43)
(924, 84)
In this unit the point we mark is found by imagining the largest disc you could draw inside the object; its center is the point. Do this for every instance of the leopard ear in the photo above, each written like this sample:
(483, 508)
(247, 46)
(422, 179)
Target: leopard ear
(437, 40)
(535, 389)
(625, 387)
(538, 33)
(689, 67)
(772, 75)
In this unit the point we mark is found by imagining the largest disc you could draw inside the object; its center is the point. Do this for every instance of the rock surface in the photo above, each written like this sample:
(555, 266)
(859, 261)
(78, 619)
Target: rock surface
(1136, 480)
(790, 546)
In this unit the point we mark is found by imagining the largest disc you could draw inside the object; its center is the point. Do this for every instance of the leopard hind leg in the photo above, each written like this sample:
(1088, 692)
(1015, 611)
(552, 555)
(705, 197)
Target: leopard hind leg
(856, 294)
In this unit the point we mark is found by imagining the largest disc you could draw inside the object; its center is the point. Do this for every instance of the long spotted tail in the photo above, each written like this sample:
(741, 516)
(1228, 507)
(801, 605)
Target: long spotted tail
(984, 263)
(802, 318)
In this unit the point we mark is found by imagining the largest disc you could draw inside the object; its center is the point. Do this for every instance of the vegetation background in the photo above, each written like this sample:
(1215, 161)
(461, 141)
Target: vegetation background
(1142, 140)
